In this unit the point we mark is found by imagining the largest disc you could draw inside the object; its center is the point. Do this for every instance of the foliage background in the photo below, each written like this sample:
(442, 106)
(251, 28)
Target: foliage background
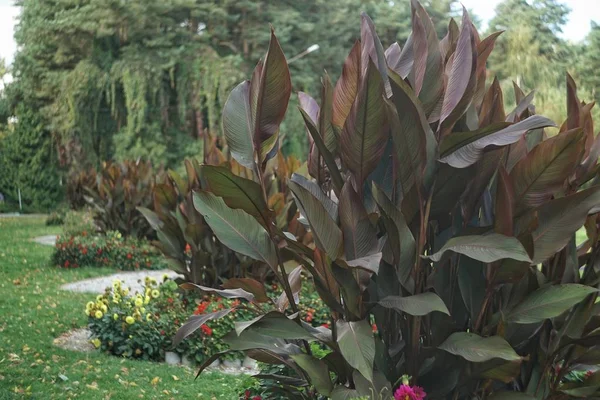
(109, 80)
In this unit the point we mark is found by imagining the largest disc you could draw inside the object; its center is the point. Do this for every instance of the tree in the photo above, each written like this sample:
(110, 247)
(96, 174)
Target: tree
(28, 162)
(530, 41)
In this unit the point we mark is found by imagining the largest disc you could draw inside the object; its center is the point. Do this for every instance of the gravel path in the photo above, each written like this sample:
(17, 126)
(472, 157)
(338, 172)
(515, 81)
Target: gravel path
(48, 240)
(133, 280)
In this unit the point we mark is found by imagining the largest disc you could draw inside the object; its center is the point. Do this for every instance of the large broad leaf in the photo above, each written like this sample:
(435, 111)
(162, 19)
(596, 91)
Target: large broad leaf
(237, 192)
(319, 144)
(541, 174)
(400, 237)
(357, 345)
(548, 302)
(236, 229)
(462, 149)
(485, 248)
(315, 190)
(237, 293)
(410, 132)
(419, 304)
(360, 237)
(249, 285)
(250, 340)
(274, 324)
(432, 86)
(475, 348)
(364, 130)
(462, 79)
(559, 219)
(270, 94)
(254, 110)
(195, 322)
(505, 202)
(326, 115)
(326, 232)
(237, 125)
(309, 105)
(346, 88)
(371, 48)
(317, 371)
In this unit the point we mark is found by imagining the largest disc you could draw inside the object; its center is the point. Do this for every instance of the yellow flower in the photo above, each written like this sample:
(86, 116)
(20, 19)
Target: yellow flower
(96, 342)
(89, 305)
(115, 316)
(104, 308)
(98, 314)
(147, 300)
(148, 291)
(119, 235)
(125, 291)
(138, 352)
(152, 281)
(116, 299)
(130, 320)
(148, 317)
(155, 293)
(87, 312)
(142, 310)
(165, 277)
(139, 302)
(116, 283)
(99, 297)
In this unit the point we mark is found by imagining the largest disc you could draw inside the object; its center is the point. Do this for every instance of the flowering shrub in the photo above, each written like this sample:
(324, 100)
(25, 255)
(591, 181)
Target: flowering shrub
(106, 250)
(141, 325)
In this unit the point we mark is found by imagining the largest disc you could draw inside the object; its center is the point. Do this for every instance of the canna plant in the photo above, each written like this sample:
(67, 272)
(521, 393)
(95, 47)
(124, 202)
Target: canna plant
(446, 220)
(188, 241)
(116, 191)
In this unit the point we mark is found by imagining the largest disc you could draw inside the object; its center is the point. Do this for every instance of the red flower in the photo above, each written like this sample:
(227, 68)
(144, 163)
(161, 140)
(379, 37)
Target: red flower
(374, 327)
(309, 317)
(129, 255)
(137, 264)
(206, 330)
(67, 264)
(84, 250)
(257, 398)
(246, 394)
(201, 308)
(162, 333)
(326, 325)
(170, 300)
(188, 249)
(99, 251)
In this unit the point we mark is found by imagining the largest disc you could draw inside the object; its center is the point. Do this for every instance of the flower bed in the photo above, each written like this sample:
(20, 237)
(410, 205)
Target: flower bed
(112, 249)
(141, 325)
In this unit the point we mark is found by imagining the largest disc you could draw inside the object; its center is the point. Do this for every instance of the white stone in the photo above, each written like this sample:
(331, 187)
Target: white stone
(232, 363)
(172, 358)
(249, 363)
(185, 360)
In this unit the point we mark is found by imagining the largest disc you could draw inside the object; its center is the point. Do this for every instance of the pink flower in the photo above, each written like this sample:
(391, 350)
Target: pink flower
(419, 392)
(406, 392)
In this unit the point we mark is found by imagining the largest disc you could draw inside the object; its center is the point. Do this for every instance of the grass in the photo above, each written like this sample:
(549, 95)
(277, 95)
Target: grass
(34, 311)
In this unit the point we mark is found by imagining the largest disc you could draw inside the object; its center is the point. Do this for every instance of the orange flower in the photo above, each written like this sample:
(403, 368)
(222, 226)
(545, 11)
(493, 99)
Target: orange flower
(129, 256)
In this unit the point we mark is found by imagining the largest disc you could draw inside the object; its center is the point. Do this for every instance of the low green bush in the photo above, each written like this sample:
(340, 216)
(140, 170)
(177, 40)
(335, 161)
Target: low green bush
(78, 223)
(55, 218)
(110, 250)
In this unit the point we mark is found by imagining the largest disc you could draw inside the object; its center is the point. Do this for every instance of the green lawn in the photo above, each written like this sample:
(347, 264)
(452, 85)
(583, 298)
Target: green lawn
(33, 311)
